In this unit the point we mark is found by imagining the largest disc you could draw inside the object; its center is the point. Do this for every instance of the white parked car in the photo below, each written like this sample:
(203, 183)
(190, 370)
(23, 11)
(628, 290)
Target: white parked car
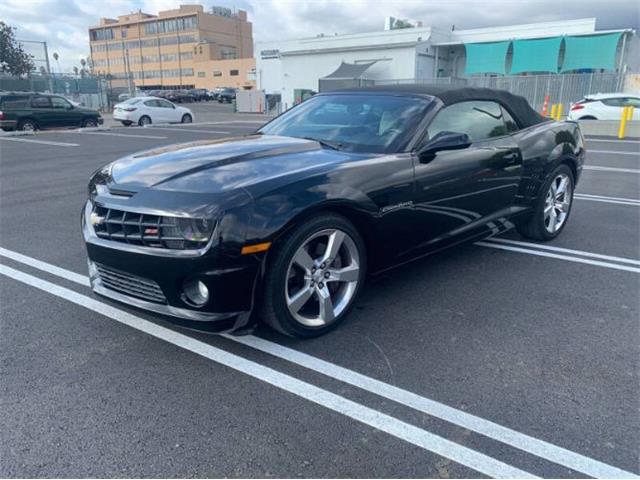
(148, 110)
(604, 106)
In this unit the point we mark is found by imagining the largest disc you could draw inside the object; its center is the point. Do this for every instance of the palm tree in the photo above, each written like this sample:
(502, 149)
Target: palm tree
(56, 57)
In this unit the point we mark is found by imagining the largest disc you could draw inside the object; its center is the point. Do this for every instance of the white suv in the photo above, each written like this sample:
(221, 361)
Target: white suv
(604, 106)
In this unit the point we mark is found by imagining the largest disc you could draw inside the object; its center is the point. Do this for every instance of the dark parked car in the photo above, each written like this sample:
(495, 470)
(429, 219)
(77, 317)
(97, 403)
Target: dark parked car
(179, 96)
(227, 95)
(34, 111)
(199, 94)
(282, 225)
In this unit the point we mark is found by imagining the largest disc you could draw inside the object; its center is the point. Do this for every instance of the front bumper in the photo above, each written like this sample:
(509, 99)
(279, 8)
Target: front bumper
(231, 287)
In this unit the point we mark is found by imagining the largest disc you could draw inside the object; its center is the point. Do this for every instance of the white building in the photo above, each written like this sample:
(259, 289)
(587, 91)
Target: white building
(419, 53)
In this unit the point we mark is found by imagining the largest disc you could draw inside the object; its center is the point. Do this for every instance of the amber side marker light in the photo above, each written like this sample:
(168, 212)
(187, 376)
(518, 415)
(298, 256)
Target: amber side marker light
(258, 247)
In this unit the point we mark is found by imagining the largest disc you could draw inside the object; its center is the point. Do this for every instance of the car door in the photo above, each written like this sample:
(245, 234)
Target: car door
(463, 193)
(610, 108)
(169, 111)
(64, 114)
(41, 111)
(152, 110)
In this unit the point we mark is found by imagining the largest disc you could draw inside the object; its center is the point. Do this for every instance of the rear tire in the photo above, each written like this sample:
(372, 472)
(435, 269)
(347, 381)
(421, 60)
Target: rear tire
(144, 120)
(186, 118)
(552, 208)
(309, 287)
(588, 117)
(126, 123)
(27, 125)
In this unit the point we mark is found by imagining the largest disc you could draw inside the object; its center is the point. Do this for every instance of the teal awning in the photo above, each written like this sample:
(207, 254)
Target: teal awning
(486, 57)
(539, 55)
(593, 51)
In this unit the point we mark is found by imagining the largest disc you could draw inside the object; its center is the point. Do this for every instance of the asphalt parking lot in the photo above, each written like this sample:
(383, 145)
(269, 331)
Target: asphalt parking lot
(504, 358)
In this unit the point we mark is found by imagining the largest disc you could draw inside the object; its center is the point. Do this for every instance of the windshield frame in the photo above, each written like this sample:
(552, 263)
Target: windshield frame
(401, 145)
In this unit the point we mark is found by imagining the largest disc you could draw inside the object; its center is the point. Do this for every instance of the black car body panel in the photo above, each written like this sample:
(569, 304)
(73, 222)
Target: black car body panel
(256, 188)
(47, 111)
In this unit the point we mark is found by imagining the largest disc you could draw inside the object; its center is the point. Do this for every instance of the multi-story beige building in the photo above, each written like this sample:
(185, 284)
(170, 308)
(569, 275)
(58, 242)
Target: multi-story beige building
(181, 48)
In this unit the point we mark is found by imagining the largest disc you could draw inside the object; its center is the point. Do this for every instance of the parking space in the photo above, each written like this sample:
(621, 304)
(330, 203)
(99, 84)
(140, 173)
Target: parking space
(504, 358)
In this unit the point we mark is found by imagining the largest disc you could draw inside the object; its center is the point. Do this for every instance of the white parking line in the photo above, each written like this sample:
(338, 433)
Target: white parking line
(180, 129)
(460, 454)
(113, 134)
(610, 140)
(42, 142)
(534, 446)
(580, 253)
(612, 152)
(603, 199)
(569, 258)
(611, 169)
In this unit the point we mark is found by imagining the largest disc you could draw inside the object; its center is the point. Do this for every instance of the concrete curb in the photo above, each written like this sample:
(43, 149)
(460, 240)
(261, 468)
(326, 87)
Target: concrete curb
(92, 129)
(16, 133)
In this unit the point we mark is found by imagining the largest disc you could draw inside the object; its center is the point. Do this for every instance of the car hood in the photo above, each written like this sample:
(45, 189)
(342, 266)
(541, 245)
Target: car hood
(217, 166)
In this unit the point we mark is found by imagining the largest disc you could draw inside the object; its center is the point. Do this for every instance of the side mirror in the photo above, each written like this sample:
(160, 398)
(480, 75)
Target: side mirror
(444, 141)
(70, 107)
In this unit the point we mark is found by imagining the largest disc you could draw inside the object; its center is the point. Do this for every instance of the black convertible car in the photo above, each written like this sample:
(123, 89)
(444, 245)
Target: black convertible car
(282, 224)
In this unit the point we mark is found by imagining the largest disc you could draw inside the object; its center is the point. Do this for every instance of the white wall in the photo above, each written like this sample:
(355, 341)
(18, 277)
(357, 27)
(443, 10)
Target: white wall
(291, 72)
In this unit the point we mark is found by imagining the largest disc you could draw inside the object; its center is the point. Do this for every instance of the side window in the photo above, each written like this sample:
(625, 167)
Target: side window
(632, 101)
(151, 103)
(164, 104)
(18, 101)
(511, 124)
(480, 120)
(40, 102)
(59, 102)
(614, 102)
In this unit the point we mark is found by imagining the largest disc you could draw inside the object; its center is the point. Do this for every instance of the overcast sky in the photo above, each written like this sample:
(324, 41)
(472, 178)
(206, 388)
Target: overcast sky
(63, 23)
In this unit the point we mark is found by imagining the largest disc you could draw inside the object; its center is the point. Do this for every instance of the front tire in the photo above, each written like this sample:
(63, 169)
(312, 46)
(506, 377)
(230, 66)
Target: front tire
(552, 207)
(314, 277)
(89, 123)
(186, 118)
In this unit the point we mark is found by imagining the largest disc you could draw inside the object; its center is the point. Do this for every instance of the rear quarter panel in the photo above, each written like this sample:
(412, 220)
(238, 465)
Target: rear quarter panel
(544, 147)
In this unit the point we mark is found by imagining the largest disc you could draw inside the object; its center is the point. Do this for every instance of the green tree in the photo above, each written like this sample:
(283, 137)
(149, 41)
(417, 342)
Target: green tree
(13, 59)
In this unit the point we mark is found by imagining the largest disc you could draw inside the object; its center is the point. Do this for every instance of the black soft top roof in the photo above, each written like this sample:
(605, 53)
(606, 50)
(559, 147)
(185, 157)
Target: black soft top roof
(517, 105)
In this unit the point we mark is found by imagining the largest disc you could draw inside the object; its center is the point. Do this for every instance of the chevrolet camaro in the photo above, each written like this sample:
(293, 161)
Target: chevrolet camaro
(282, 224)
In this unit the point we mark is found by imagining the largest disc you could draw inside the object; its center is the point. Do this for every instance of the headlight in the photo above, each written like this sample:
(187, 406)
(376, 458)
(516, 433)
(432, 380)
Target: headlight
(195, 229)
(191, 229)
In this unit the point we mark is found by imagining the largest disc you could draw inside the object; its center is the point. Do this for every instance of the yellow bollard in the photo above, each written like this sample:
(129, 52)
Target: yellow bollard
(630, 114)
(623, 121)
(554, 108)
(559, 112)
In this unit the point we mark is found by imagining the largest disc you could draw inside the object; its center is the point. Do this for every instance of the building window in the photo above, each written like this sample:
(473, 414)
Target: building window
(201, 74)
(233, 73)
(201, 50)
(103, 34)
(217, 73)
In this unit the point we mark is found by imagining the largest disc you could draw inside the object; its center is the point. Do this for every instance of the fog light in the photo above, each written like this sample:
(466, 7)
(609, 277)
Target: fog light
(196, 292)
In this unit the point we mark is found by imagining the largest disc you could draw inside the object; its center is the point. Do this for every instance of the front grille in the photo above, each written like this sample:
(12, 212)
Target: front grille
(130, 284)
(140, 229)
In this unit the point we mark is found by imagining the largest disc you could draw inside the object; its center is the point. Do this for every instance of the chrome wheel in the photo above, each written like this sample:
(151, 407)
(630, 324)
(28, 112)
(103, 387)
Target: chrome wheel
(28, 126)
(557, 203)
(322, 278)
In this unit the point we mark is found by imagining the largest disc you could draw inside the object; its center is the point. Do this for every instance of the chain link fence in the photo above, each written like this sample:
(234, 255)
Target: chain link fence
(91, 92)
(561, 88)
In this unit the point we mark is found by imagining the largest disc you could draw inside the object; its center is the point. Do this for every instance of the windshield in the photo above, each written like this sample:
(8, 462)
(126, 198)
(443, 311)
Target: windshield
(355, 122)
